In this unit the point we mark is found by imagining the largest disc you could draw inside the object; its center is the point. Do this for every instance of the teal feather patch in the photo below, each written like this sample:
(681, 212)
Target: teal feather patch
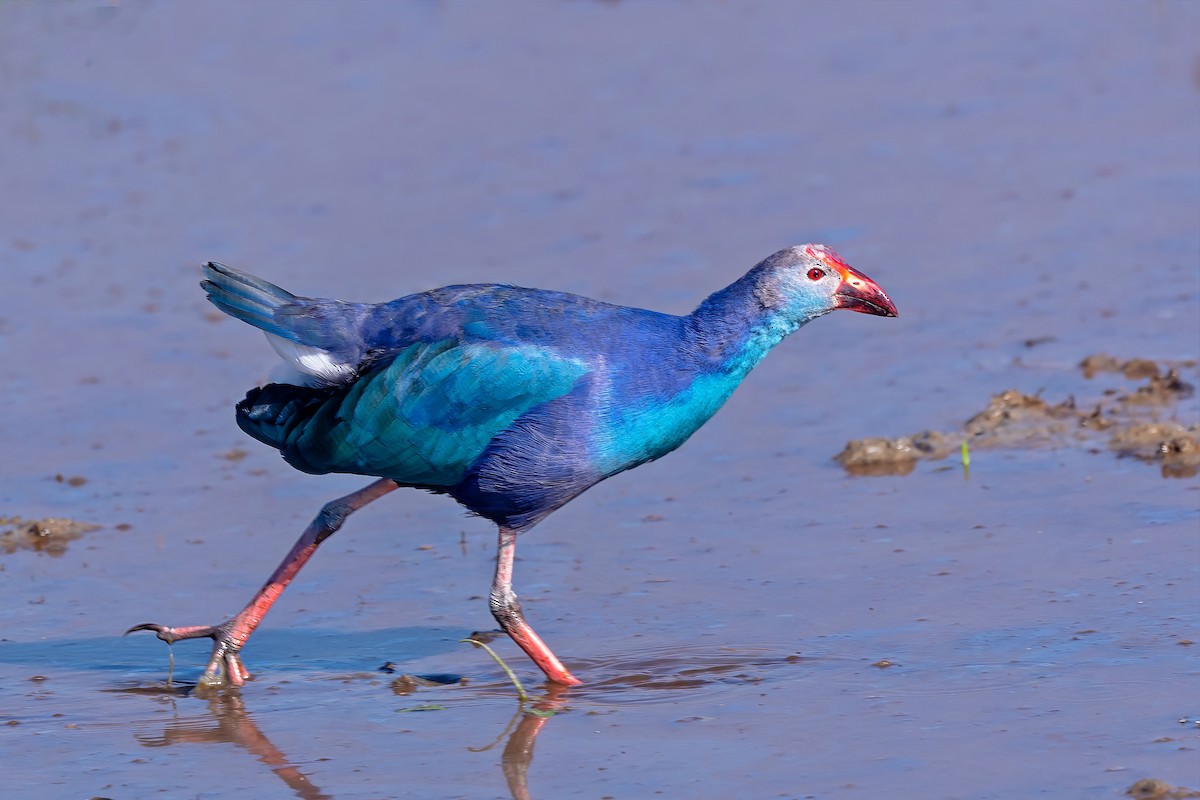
(427, 415)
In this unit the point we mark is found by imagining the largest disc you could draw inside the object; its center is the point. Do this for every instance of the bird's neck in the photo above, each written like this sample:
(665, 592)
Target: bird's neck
(734, 328)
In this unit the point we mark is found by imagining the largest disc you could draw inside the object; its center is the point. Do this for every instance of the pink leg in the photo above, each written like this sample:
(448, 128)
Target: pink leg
(229, 637)
(506, 608)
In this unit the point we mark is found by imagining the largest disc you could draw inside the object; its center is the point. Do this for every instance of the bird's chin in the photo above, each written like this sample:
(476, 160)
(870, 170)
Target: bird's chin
(867, 305)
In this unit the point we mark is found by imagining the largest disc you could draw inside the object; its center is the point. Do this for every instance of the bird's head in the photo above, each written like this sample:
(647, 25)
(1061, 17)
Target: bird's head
(809, 280)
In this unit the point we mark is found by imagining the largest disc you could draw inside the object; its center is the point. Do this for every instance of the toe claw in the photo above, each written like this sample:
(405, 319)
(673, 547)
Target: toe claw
(163, 632)
(145, 626)
(172, 635)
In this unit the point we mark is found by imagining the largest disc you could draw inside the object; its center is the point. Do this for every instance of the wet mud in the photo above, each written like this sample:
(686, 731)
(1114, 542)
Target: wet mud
(1154, 789)
(49, 536)
(1141, 423)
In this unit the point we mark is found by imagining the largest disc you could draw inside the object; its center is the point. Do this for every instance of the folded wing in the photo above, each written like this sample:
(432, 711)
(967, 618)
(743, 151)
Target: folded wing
(421, 418)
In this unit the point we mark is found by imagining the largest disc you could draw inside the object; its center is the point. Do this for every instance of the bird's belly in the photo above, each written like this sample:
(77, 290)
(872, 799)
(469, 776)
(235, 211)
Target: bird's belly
(650, 430)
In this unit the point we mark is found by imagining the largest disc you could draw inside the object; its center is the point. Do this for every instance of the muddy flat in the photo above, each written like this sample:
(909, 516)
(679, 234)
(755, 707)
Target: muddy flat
(752, 616)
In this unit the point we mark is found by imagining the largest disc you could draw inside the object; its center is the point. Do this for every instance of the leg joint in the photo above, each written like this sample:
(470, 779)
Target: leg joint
(330, 518)
(505, 606)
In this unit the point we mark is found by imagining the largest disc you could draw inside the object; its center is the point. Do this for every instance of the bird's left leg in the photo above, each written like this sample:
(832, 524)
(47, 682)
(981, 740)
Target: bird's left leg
(506, 608)
(229, 637)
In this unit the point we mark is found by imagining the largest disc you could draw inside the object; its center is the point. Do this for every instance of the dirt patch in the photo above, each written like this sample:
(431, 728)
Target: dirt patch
(1154, 789)
(1161, 391)
(1134, 368)
(880, 456)
(1128, 422)
(50, 535)
(75, 481)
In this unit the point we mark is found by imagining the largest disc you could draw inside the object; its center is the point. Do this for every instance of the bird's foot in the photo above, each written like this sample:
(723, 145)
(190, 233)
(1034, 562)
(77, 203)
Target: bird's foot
(224, 666)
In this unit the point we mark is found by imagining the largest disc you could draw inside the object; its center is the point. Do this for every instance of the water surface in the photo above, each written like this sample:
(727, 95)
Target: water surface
(1024, 180)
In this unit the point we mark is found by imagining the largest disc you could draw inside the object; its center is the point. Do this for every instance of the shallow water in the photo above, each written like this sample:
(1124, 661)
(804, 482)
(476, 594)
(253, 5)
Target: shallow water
(750, 621)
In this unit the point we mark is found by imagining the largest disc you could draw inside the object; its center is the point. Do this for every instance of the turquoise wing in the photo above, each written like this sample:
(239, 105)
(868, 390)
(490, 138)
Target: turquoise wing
(427, 415)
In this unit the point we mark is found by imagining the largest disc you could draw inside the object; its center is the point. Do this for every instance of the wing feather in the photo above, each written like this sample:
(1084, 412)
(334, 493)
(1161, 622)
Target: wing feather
(425, 416)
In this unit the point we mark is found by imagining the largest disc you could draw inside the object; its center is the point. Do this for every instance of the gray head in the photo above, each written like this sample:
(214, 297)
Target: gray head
(805, 281)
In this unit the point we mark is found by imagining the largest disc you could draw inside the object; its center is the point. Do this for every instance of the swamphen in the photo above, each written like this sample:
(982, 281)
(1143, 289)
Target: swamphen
(512, 401)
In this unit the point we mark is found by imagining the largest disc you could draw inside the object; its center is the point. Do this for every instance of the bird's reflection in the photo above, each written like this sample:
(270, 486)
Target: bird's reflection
(228, 722)
(522, 732)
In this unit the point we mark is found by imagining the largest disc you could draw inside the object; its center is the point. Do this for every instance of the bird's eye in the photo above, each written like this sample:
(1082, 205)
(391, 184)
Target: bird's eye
(815, 274)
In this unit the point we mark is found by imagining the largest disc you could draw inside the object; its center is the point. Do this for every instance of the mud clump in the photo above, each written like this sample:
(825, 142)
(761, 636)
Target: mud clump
(1013, 419)
(1176, 446)
(50, 535)
(1133, 369)
(1154, 789)
(881, 456)
(1161, 391)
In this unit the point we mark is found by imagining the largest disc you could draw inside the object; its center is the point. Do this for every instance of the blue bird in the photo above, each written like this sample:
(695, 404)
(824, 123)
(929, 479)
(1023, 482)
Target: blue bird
(512, 401)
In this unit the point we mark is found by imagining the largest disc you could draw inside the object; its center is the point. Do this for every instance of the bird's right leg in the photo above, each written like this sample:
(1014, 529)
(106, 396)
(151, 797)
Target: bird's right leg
(506, 609)
(229, 637)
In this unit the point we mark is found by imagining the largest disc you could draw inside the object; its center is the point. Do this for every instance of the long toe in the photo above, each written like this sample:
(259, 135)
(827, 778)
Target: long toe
(225, 668)
(171, 635)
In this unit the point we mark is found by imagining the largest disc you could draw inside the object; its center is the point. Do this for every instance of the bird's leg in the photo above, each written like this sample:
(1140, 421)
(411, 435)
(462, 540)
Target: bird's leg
(229, 637)
(506, 608)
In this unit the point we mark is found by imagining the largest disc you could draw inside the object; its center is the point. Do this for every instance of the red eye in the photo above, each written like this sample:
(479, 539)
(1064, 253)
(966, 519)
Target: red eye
(815, 274)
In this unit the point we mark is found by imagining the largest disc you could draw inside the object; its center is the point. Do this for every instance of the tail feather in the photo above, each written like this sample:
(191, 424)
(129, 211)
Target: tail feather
(320, 338)
(247, 298)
